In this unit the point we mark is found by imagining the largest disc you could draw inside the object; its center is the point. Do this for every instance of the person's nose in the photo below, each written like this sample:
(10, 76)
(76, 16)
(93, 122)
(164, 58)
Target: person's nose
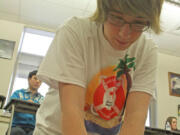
(38, 81)
(125, 31)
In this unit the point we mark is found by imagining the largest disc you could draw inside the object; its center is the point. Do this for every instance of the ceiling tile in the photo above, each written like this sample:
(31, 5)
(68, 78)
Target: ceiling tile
(170, 17)
(80, 4)
(10, 6)
(9, 17)
(92, 6)
(46, 13)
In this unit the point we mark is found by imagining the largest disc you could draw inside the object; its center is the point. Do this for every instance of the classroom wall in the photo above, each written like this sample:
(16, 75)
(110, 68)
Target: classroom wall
(9, 31)
(166, 105)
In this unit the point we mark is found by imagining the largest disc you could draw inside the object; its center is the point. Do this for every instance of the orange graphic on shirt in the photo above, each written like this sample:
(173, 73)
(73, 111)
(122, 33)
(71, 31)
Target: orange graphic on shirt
(106, 93)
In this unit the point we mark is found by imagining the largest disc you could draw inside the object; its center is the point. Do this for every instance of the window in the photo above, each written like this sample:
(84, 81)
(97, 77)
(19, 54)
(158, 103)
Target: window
(148, 120)
(34, 47)
(35, 44)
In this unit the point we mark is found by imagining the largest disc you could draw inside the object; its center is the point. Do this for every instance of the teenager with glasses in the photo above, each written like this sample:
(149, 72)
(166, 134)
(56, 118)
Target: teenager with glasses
(101, 71)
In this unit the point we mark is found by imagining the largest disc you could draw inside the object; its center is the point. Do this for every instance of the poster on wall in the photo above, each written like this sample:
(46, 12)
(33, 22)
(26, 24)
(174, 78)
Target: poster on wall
(6, 48)
(174, 84)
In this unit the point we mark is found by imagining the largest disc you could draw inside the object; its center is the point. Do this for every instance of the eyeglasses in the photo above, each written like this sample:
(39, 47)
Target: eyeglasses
(134, 26)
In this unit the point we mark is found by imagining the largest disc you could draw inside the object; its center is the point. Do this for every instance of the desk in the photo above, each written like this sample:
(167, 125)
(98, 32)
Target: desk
(4, 121)
(157, 131)
(16, 105)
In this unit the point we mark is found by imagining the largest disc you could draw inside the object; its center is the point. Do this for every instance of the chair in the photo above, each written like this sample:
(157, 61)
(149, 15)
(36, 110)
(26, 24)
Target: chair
(17, 105)
(2, 101)
(4, 117)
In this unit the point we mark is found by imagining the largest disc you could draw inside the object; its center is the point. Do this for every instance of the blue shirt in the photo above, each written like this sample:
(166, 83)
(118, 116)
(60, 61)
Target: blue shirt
(25, 119)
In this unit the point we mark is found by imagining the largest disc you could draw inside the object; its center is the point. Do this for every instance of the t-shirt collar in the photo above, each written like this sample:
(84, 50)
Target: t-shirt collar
(29, 91)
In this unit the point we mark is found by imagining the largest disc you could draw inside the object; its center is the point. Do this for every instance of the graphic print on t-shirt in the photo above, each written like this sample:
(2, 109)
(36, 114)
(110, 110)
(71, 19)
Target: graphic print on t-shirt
(106, 93)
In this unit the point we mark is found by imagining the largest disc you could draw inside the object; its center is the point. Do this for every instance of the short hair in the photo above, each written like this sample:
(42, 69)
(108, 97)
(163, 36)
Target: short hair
(149, 9)
(169, 119)
(32, 73)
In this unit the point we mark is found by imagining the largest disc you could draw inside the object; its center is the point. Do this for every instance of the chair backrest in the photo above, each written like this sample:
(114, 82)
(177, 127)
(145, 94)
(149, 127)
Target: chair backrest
(2, 101)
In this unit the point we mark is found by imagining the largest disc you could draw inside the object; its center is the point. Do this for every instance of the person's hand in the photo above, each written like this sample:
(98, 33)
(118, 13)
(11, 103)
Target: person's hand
(30, 100)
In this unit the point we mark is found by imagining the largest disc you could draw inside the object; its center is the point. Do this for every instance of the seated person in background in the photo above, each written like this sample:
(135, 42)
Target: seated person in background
(172, 122)
(23, 123)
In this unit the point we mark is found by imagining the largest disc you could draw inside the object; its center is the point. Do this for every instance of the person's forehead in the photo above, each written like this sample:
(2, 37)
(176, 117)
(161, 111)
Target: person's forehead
(174, 120)
(34, 76)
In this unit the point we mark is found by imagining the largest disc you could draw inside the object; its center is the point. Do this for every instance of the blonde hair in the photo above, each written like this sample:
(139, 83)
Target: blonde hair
(148, 9)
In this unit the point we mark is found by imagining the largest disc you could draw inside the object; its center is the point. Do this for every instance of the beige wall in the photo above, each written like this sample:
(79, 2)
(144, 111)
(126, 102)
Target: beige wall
(166, 104)
(9, 31)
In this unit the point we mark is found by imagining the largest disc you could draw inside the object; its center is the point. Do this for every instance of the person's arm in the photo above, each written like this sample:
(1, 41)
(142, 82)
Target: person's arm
(135, 115)
(72, 108)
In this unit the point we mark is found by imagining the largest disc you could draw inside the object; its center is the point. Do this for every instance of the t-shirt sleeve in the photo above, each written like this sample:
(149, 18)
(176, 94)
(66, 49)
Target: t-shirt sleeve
(15, 95)
(144, 78)
(64, 60)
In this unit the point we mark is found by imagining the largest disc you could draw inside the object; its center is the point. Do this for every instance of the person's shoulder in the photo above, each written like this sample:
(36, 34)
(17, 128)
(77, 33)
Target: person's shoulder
(17, 93)
(78, 21)
(20, 91)
(143, 46)
(144, 43)
(79, 24)
(147, 41)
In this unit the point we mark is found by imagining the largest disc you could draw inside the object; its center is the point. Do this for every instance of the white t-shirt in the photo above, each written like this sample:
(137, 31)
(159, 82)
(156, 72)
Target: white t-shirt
(81, 55)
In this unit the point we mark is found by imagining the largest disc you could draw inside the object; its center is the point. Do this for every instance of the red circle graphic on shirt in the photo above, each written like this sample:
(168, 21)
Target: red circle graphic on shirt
(108, 98)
